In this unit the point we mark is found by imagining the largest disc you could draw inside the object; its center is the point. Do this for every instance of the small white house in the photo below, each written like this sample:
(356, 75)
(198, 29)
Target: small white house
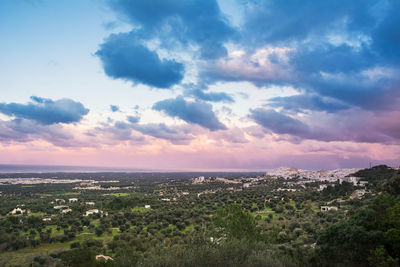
(322, 187)
(246, 185)
(147, 206)
(46, 219)
(328, 208)
(71, 200)
(90, 212)
(60, 207)
(90, 203)
(17, 211)
(103, 257)
(66, 211)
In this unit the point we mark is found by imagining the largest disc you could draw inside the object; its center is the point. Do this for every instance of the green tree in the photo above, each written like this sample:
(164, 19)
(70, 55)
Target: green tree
(236, 223)
(79, 257)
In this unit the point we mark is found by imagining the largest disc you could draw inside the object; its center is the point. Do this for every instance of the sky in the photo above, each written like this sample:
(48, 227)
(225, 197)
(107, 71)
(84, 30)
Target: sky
(200, 85)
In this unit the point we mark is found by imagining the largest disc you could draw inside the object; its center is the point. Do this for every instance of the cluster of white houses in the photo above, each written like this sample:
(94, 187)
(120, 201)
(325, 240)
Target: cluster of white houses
(66, 209)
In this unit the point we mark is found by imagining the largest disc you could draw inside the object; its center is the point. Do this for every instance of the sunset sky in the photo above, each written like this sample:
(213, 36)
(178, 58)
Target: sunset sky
(200, 85)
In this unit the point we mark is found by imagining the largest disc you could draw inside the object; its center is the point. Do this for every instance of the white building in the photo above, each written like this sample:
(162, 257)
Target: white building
(328, 208)
(246, 185)
(66, 210)
(17, 211)
(322, 175)
(147, 206)
(199, 180)
(60, 207)
(71, 200)
(103, 257)
(322, 187)
(90, 212)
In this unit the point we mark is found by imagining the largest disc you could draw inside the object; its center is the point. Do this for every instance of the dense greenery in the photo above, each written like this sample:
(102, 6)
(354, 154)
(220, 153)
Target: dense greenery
(210, 224)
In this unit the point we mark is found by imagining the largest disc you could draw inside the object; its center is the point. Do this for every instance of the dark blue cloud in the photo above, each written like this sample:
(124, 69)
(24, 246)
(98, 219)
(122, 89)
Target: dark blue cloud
(385, 36)
(376, 94)
(174, 24)
(199, 23)
(340, 48)
(333, 59)
(133, 119)
(192, 112)
(121, 125)
(114, 108)
(280, 22)
(278, 123)
(210, 96)
(343, 54)
(124, 57)
(299, 103)
(46, 111)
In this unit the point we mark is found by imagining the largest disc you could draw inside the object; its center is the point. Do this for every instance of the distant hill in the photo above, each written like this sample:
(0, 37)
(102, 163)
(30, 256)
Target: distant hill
(382, 178)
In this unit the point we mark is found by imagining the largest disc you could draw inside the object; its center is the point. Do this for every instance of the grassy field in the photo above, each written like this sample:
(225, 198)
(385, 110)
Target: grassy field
(140, 209)
(38, 214)
(189, 228)
(69, 194)
(119, 194)
(25, 256)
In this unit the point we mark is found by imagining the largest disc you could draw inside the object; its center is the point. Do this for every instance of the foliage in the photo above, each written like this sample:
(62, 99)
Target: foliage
(209, 224)
(234, 252)
(363, 236)
(236, 223)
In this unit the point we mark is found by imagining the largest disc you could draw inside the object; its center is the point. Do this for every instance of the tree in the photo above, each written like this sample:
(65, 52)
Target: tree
(79, 257)
(236, 223)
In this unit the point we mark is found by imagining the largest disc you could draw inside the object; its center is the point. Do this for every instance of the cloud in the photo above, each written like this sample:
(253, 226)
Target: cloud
(344, 51)
(210, 96)
(133, 119)
(385, 38)
(192, 112)
(299, 103)
(176, 135)
(23, 130)
(262, 66)
(131, 130)
(372, 89)
(46, 111)
(114, 108)
(338, 55)
(277, 22)
(124, 57)
(342, 126)
(235, 135)
(278, 123)
(173, 25)
(176, 22)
